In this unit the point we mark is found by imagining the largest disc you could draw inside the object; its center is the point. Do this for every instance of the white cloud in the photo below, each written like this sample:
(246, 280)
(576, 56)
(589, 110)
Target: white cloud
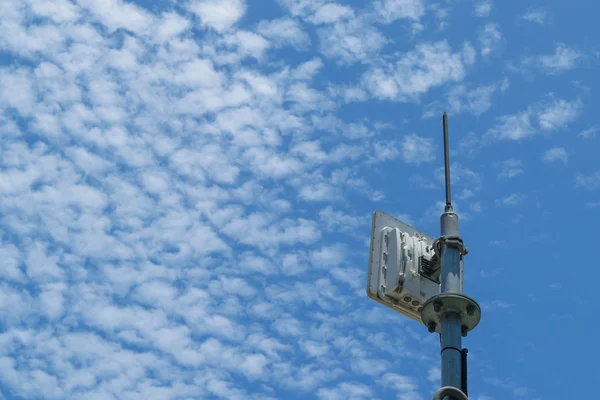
(400, 383)
(171, 25)
(494, 305)
(462, 177)
(330, 13)
(335, 220)
(284, 31)
(483, 8)
(475, 208)
(198, 73)
(328, 256)
(563, 59)
(511, 200)
(350, 41)
(510, 168)
(483, 397)
(556, 154)
(588, 133)
(464, 98)
(434, 374)
(415, 72)
(559, 114)
(254, 365)
(59, 11)
(507, 385)
(591, 181)
(466, 183)
(248, 44)
(345, 391)
(514, 127)
(536, 15)
(41, 266)
(392, 10)
(476, 101)
(308, 70)
(549, 116)
(416, 149)
(490, 38)
(218, 14)
(302, 8)
(115, 14)
(16, 90)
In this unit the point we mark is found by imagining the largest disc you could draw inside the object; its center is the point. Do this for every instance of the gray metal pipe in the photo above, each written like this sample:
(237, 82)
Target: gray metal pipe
(451, 282)
(451, 343)
(451, 278)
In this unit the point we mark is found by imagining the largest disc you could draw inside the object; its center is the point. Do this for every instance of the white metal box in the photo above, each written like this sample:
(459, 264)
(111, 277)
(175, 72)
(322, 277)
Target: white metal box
(398, 258)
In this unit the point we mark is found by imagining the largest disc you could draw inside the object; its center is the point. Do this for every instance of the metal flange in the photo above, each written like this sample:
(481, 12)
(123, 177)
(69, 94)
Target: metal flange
(439, 305)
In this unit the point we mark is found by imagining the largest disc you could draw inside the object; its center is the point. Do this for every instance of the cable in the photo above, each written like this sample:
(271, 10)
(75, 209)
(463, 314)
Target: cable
(457, 394)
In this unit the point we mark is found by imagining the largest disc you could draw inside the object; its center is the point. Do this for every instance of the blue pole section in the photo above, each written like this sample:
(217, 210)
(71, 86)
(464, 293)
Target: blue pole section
(451, 334)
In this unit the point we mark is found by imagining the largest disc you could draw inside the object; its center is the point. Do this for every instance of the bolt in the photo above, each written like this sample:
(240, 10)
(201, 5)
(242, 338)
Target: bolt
(464, 330)
(470, 310)
(437, 306)
(431, 327)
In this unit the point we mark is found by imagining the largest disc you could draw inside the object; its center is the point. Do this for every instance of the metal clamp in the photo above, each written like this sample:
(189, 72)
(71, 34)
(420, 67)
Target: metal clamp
(451, 391)
(450, 241)
(436, 307)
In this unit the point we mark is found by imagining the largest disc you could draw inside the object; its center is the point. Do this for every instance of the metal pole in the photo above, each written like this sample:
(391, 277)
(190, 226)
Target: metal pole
(451, 280)
(451, 313)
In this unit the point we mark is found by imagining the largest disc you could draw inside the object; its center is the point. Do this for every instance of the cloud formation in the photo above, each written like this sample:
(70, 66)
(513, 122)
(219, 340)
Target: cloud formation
(546, 116)
(556, 154)
(186, 189)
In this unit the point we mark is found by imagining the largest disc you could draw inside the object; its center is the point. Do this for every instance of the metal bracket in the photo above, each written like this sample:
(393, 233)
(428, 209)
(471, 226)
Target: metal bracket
(436, 307)
(450, 241)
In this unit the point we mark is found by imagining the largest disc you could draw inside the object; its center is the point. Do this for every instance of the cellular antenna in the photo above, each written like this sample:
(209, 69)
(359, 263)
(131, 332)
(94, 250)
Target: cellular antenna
(447, 163)
(422, 278)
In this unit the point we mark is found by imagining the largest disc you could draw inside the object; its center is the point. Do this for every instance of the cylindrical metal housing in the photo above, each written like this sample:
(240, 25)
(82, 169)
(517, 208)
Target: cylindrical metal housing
(449, 224)
(451, 259)
(451, 271)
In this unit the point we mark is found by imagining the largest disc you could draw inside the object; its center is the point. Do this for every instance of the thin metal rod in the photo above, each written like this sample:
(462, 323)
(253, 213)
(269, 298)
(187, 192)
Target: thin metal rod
(447, 162)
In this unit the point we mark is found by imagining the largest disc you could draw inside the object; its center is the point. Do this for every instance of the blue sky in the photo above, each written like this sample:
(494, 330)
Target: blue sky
(186, 191)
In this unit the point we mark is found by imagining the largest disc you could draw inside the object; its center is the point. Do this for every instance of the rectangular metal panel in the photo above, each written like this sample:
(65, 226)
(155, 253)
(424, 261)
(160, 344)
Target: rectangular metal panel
(380, 222)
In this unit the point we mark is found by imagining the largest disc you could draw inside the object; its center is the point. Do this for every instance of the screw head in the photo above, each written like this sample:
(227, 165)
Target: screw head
(437, 305)
(431, 327)
(470, 310)
(464, 330)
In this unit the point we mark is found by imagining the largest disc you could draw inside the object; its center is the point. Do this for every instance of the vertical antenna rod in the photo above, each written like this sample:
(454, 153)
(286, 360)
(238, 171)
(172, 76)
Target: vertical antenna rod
(447, 163)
